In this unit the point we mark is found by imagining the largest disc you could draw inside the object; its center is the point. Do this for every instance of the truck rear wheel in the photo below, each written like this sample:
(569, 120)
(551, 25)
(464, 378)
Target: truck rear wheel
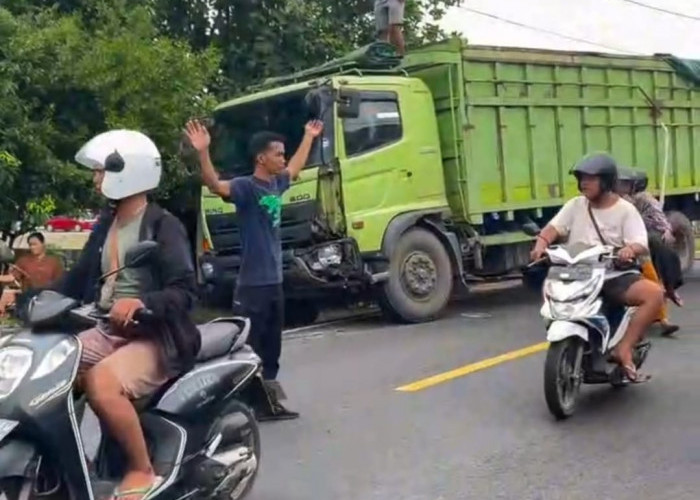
(685, 239)
(420, 278)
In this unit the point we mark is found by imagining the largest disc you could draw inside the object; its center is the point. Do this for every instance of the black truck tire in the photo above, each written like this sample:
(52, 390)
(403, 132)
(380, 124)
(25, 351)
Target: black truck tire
(420, 278)
(299, 313)
(685, 239)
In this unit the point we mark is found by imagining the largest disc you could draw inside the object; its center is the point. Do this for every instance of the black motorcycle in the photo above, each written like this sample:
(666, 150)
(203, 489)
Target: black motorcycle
(41, 449)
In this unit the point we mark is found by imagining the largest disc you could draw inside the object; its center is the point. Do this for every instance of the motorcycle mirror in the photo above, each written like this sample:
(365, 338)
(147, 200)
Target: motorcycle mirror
(137, 256)
(140, 254)
(531, 229)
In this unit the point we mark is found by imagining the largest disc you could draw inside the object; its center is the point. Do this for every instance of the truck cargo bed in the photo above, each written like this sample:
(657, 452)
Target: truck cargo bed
(514, 121)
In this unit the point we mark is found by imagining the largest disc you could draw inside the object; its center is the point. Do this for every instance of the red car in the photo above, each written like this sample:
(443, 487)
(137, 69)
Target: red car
(66, 223)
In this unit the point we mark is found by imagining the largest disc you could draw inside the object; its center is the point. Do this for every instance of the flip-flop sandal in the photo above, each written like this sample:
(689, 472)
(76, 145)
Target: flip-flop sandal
(144, 492)
(632, 376)
(668, 329)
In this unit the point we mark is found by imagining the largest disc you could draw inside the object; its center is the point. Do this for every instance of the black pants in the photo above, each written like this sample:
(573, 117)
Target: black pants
(264, 305)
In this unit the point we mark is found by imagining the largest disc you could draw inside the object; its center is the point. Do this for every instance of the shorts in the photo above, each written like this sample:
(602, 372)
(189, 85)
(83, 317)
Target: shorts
(615, 289)
(388, 13)
(136, 363)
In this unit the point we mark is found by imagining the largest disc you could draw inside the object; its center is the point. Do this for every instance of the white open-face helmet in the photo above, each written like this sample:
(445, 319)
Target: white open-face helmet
(130, 159)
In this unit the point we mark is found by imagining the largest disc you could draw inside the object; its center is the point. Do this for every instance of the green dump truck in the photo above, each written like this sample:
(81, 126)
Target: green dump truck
(429, 170)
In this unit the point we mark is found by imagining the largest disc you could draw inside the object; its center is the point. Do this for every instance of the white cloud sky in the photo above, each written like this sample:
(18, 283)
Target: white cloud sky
(614, 23)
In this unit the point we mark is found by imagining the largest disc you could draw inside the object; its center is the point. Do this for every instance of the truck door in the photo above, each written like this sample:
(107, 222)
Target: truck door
(371, 162)
(389, 164)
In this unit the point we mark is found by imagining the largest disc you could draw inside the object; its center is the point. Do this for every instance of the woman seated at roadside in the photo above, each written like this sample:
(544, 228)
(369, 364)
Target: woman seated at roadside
(632, 186)
(31, 272)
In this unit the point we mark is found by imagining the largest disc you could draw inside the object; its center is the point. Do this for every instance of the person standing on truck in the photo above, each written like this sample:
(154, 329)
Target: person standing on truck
(257, 198)
(601, 216)
(389, 16)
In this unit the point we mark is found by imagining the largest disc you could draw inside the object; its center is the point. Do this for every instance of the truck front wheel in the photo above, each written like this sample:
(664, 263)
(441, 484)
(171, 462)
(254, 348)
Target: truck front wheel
(420, 278)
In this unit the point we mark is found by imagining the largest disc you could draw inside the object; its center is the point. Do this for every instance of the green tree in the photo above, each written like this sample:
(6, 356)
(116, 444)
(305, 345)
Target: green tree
(72, 68)
(262, 38)
(62, 81)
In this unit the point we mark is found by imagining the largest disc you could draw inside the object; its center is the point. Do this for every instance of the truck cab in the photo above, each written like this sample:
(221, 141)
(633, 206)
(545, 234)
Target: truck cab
(379, 157)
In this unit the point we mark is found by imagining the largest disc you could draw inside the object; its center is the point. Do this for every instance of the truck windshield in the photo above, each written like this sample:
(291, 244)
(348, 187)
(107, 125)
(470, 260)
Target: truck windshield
(234, 126)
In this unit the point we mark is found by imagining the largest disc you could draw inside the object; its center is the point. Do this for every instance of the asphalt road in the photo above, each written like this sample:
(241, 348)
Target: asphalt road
(486, 434)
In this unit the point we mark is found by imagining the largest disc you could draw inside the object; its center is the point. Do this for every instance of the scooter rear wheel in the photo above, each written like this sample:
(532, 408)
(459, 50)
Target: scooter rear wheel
(561, 382)
(239, 428)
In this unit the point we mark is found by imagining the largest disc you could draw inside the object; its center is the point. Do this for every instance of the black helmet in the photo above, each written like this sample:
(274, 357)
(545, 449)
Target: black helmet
(601, 165)
(641, 181)
(627, 174)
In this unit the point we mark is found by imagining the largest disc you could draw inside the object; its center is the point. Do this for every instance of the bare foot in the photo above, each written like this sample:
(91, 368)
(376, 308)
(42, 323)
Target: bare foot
(135, 485)
(625, 360)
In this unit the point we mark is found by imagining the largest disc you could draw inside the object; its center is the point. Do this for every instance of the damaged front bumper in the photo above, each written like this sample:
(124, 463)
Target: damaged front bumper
(332, 264)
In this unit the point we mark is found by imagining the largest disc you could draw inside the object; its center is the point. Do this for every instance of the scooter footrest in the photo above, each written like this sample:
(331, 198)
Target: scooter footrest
(103, 489)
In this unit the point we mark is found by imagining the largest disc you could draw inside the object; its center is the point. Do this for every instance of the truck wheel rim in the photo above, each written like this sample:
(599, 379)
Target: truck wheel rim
(419, 274)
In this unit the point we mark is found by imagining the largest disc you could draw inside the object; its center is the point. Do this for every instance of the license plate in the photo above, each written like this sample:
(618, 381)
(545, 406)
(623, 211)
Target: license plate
(6, 426)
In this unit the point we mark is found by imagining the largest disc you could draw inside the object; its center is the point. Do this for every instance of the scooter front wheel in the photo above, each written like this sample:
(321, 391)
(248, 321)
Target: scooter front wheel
(562, 376)
(21, 488)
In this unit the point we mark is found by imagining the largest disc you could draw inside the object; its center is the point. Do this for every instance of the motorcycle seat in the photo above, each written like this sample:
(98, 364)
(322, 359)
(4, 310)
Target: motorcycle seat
(217, 339)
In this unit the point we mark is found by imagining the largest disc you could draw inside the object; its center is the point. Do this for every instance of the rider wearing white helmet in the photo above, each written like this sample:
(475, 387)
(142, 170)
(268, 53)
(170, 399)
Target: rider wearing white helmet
(121, 361)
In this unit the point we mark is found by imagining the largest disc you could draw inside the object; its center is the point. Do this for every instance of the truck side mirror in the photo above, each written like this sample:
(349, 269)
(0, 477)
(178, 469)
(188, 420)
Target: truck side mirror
(314, 103)
(348, 103)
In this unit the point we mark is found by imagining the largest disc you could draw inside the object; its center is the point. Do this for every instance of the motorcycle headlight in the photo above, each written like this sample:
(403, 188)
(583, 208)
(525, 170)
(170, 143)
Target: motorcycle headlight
(54, 358)
(561, 310)
(14, 365)
(562, 292)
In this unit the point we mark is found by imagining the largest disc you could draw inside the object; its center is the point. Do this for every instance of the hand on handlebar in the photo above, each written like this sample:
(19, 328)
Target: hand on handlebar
(626, 254)
(123, 311)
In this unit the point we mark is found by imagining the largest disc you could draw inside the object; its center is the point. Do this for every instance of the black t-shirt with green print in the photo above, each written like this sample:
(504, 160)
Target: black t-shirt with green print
(259, 212)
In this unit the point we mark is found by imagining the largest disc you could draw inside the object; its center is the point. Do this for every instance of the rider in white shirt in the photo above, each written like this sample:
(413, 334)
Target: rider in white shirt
(597, 217)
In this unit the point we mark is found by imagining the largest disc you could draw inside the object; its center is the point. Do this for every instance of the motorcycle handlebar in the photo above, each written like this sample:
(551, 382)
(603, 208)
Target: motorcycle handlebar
(142, 315)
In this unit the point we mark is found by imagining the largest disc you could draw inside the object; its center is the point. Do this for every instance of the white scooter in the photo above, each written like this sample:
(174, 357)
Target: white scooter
(581, 327)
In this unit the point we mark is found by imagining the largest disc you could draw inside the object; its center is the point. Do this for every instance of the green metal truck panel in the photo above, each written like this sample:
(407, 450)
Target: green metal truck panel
(442, 169)
(514, 121)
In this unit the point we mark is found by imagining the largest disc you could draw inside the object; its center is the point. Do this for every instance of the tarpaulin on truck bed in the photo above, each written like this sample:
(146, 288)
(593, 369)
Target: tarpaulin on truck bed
(689, 69)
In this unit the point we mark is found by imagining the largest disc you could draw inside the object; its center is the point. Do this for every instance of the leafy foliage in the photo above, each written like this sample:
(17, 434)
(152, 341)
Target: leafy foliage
(62, 82)
(70, 69)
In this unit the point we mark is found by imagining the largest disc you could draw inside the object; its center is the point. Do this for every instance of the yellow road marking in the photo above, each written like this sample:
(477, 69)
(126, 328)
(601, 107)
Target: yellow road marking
(440, 378)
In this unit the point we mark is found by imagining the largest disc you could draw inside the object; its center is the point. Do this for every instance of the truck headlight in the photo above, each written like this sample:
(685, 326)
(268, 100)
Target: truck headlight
(14, 365)
(329, 255)
(55, 358)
